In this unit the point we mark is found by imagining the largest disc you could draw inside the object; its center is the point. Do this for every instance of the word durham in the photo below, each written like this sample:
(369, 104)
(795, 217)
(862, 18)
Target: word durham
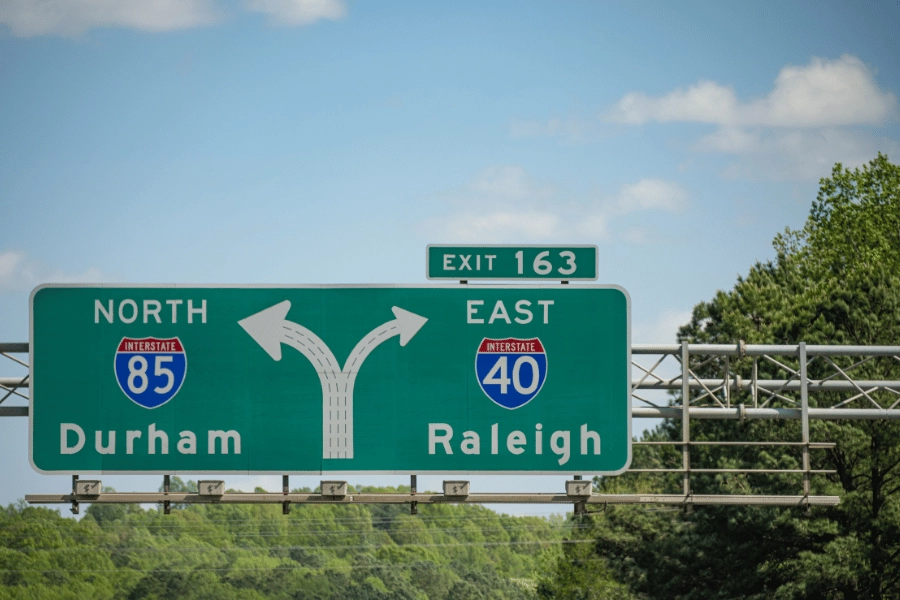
(72, 440)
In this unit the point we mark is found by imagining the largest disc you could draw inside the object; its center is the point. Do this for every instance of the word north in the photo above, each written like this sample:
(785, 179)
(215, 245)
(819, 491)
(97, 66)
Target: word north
(72, 440)
(150, 311)
(441, 435)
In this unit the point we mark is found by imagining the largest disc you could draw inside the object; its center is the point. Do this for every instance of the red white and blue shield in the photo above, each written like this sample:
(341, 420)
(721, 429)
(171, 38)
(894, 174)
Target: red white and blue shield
(150, 371)
(511, 371)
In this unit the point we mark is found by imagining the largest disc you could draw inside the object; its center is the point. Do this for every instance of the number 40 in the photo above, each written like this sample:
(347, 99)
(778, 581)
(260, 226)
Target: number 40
(542, 266)
(498, 375)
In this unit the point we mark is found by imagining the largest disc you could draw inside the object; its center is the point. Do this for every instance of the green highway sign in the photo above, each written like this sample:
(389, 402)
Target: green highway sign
(328, 379)
(462, 262)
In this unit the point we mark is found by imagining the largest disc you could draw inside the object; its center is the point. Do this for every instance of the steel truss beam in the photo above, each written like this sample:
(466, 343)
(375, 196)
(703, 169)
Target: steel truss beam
(719, 393)
(739, 414)
(784, 394)
(498, 498)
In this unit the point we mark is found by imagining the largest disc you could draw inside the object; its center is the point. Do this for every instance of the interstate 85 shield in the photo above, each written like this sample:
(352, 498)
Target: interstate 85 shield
(150, 371)
(511, 371)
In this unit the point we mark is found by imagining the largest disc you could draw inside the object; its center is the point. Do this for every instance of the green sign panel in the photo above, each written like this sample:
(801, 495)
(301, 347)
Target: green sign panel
(567, 263)
(325, 379)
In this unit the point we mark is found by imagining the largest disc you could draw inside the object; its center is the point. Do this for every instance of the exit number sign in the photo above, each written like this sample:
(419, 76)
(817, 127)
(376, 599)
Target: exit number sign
(463, 262)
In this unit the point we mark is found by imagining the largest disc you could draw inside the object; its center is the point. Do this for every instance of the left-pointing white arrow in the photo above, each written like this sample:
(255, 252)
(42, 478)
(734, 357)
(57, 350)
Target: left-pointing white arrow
(270, 329)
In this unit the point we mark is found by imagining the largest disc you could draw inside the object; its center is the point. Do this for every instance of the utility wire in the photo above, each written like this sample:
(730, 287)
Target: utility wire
(278, 519)
(358, 533)
(125, 569)
(319, 547)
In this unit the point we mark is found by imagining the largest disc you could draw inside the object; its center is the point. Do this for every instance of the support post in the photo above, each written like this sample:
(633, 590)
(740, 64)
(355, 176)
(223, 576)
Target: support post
(74, 508)
(413, 505)
(754, 389)
(727, 382)
(285, 489)
(804, 420)
(167, 506)
(579, 506)
(685, 420)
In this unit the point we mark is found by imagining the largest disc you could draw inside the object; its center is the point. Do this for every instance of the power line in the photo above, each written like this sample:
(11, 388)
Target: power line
(274, 529)
(276, 517)
(317, 547)
(348, 547)
(360, 533)
(279, 519)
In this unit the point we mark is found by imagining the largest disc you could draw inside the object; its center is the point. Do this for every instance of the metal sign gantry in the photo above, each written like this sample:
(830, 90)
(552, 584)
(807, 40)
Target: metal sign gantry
(850, 383)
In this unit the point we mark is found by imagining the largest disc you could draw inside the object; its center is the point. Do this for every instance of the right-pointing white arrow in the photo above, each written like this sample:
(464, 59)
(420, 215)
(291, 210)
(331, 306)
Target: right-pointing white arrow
(409, 323)
(270, 329)
(406, 325)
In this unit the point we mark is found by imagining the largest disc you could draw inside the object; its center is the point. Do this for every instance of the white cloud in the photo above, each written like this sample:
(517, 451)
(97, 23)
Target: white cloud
(27, 18)
(651, 194)
(499, 203)
(19, 272)
(822, 94)
(72, 17)
(814, 116)
(705, 102)
(732, 140)
(501, 225)
(507, 183)
(593, 224)
(10, 268)
(502, 203)
(793, 154)
(297, 12)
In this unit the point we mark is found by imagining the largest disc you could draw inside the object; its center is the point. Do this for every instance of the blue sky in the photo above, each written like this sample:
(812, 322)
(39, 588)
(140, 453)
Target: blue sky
(308, 141)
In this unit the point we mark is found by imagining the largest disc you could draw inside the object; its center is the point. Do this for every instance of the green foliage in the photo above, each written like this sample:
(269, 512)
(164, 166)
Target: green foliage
(254, 552)
(836, 281)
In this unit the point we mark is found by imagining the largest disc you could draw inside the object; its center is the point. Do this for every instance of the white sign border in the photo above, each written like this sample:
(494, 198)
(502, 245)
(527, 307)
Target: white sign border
(556, 287)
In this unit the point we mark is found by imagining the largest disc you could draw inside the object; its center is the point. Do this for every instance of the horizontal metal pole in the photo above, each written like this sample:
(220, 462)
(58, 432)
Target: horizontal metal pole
(499, 498)
(674, 412)
(707, 349)
(693, 443)
(721, 499)
(696, 384)
(765, 349)
(20, 347)
(793, 385)
(765, 471)
(822, 414)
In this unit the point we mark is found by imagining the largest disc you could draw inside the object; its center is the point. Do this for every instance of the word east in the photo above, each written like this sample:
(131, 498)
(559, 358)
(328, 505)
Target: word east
(440, 435)
(72, 440)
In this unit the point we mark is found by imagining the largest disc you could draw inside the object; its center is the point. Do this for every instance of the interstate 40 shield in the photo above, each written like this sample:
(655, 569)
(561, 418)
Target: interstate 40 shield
(511, 371)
